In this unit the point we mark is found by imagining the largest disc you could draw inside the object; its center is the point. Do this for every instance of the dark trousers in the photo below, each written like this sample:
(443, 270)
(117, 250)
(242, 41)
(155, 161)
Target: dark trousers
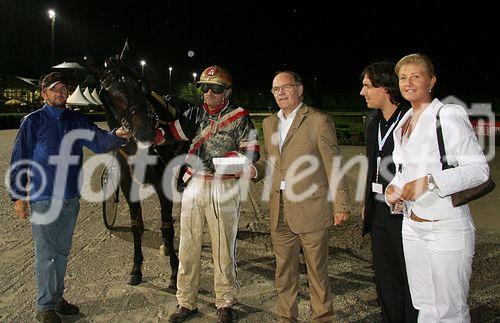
(389, 265)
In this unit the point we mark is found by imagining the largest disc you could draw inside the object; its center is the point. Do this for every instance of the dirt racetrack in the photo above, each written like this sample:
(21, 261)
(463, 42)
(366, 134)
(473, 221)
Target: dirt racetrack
(101, 259)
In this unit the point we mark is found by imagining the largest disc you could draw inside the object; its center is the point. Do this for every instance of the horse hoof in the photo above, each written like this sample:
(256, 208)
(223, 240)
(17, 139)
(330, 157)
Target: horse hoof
(135, 280)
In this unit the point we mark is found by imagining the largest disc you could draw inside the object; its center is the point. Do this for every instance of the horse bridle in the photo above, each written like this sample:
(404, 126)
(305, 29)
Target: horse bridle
(150, 113)
(125, 120)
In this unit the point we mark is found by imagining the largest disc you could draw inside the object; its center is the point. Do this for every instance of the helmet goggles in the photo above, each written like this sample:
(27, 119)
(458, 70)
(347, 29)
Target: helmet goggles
(216, 88)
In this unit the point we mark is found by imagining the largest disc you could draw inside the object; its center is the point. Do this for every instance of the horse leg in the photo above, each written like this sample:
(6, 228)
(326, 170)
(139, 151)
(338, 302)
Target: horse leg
(137, 225)
(168, 233)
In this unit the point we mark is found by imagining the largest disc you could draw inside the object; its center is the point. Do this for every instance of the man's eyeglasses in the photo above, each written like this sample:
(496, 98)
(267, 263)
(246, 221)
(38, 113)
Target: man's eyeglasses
(284, 87)
(216, 88)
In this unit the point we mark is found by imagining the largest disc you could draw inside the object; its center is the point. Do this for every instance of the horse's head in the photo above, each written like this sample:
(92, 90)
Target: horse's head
(125, 94)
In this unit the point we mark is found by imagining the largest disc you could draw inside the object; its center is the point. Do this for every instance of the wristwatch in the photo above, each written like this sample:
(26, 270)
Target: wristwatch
(431, 185)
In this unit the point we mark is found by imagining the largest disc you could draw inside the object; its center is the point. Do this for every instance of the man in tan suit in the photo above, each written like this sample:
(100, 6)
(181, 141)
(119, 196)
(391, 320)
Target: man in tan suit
(301, 155)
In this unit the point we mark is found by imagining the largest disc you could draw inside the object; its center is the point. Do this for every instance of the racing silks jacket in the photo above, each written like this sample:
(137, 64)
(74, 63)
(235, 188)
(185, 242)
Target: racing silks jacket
(225, 133)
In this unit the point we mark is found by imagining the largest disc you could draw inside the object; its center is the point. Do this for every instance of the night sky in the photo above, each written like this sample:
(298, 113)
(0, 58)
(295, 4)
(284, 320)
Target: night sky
(253, 39)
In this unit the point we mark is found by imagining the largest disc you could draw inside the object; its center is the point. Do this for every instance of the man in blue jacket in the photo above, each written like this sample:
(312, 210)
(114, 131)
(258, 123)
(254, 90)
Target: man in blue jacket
(48, 153)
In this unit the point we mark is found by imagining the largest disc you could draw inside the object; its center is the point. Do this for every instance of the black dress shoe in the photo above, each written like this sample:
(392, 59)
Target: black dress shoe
(181, 314)
(226, 315)
(65, 308)
(48, 316)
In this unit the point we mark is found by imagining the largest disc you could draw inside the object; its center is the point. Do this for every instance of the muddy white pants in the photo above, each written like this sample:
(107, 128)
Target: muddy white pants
(438, 259)
(217, 201)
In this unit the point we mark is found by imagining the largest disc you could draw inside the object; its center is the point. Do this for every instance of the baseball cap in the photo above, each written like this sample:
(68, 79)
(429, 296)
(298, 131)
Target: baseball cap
(50, 80)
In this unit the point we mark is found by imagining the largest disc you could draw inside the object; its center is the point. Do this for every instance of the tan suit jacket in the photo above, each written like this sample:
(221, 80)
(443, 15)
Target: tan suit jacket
(312, 133)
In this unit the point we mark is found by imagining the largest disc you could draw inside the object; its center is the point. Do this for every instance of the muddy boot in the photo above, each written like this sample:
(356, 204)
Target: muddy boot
(181, 314)
(226, 315)
(48, 316)
(65, 308)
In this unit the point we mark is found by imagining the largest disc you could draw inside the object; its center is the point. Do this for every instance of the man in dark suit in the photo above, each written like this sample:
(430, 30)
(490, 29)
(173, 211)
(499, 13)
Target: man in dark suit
(381, 92)
(300, 154)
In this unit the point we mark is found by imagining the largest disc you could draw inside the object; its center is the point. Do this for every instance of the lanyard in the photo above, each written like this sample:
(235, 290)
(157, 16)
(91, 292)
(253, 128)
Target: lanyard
(381, 142)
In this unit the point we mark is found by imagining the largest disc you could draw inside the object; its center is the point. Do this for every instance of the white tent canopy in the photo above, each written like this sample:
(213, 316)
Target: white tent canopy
(89, 97)
(69, 65)
(77, 98)
(95, 95)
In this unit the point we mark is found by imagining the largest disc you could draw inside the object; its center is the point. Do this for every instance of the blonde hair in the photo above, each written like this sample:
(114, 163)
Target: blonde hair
(416, 58)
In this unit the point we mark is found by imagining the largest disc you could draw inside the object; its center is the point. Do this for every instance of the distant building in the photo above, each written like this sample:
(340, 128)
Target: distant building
(19, 88)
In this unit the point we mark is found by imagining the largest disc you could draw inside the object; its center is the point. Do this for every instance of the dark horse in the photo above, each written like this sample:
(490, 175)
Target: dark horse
(129, 102)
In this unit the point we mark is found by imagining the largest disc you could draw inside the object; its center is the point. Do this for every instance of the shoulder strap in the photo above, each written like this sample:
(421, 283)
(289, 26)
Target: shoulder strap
(439, 132)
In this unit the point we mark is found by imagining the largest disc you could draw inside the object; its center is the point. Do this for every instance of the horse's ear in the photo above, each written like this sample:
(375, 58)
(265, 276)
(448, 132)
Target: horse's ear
(125, 50)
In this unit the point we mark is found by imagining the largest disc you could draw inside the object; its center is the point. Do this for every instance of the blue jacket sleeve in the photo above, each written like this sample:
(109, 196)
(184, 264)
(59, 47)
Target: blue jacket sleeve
(22, 156)
(103, 141)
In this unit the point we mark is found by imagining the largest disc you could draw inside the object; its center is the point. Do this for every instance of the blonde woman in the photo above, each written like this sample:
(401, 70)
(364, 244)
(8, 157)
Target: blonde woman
(438, 239)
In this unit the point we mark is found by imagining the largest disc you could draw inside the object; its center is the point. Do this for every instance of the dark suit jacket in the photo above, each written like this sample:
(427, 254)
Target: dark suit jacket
(371, 140)
(312, 134)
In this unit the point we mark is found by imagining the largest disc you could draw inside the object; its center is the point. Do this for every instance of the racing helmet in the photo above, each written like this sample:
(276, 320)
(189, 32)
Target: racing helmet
(216, 75)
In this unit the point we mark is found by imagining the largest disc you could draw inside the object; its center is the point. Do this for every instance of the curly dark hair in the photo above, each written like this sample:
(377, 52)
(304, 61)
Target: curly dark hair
(382, 74)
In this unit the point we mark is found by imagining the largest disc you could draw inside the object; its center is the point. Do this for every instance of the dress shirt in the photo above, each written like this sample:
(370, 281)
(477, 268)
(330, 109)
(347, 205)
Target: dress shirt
(285, 123)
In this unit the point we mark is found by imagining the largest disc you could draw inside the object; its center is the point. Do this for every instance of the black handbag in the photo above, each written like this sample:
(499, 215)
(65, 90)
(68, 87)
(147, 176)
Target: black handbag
(465, 196)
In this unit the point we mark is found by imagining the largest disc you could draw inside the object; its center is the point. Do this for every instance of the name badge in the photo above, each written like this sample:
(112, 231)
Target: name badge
(282, 185)
(377, 188)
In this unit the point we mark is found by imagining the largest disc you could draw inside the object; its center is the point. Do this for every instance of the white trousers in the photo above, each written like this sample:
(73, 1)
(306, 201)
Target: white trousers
(438, 259)
(217, 201)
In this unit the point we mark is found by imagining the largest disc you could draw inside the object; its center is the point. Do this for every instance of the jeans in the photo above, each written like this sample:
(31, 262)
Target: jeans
(52, 246)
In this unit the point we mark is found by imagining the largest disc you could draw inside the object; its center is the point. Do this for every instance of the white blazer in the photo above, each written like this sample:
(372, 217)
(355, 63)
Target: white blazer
(420, 156)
